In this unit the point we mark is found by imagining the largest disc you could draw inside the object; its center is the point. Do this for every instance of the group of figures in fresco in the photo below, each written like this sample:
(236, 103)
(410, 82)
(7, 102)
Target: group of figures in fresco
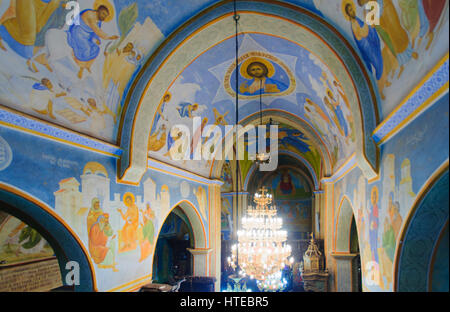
(379, 220)
(108, 227)
(122, 228)
(65, 65)
(134, 233)
(386, 48)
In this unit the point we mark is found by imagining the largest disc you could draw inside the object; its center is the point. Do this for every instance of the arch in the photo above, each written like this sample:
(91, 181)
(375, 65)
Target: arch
(215, 23)
(290, 120)
(311, 171)
(342, 227)
(438, 273)
(420, 233)
(346, 259)
(65, 243)
(196, 222)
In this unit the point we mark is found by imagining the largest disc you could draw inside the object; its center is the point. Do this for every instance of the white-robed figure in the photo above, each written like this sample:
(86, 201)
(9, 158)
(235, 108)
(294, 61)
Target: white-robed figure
(41, 97)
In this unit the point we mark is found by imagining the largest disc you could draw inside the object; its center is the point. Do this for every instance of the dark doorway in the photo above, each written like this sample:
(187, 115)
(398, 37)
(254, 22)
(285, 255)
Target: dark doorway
(356, 263)
(172, 261)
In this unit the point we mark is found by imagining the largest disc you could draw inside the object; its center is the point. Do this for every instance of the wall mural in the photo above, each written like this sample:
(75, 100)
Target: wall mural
(78, 75)
(296, 215)
(73, 75)
(118, 224)
(293, 198)
(21, 243)
(226, 177)
(404, 45)
(300, 81)
(287, 184)
(381, 208)
(226, 217)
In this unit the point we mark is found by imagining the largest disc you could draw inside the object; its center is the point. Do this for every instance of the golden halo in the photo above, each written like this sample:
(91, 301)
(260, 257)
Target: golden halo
(344, 4)
(244, 66)
(168, 95)
(374, 190)
(108, 5)
(127, 195)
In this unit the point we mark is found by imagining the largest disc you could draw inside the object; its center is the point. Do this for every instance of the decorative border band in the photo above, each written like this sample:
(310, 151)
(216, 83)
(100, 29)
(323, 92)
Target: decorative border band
(20, 122)
(426, 93)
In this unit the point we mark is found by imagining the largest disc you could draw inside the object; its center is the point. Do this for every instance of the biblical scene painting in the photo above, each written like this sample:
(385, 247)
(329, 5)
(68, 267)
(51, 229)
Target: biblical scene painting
(293, 197)
(294, 140)
(111, 227)
(381, 208)
(406, 36)
(204, 94)
(21, 243)
(378, 215)
(117, 224)
(74, 74)
(120, 226)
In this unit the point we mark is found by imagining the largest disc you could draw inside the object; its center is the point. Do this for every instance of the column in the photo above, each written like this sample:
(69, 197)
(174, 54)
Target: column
(344, 272)
(215, 234)
(200, 260)
(327, 225)
(318, 213)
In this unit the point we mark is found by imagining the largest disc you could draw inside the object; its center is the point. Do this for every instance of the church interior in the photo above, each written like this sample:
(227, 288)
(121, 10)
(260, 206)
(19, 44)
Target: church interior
(224, 146)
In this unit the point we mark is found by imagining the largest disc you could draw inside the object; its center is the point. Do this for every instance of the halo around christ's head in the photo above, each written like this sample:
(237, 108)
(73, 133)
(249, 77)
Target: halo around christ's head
(245, 65)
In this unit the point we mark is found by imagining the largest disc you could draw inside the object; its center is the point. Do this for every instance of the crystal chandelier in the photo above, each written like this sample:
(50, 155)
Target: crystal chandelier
(261, 252)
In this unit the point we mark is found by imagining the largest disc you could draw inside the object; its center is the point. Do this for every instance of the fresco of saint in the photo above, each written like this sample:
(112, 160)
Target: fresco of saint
(128, 236)
(84, 38)
(147, 233)
(366, 39)
(373, 224)
(95, 212)
(102, 243)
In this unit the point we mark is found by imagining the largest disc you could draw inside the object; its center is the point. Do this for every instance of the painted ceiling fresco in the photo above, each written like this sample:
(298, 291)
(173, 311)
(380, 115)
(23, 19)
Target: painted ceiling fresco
(296, 81)
(77, 76)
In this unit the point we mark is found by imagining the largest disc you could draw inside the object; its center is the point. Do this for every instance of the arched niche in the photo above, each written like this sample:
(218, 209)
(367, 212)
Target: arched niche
(345, 253)
(171, 248)
(195, 220)
(65, 243)
(420, 234)
(342, 232)
(200, 250)
(213, 26)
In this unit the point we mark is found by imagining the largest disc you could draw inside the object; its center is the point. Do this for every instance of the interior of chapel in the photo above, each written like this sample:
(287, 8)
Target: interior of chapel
(224, 146)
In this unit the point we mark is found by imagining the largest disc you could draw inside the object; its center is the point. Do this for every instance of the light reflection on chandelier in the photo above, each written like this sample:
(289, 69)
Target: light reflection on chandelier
(261, 251)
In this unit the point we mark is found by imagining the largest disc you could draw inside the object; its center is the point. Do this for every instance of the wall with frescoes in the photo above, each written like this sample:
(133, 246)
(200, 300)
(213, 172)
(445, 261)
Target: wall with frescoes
(382, 208)
(117, 224)
(344, 93)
